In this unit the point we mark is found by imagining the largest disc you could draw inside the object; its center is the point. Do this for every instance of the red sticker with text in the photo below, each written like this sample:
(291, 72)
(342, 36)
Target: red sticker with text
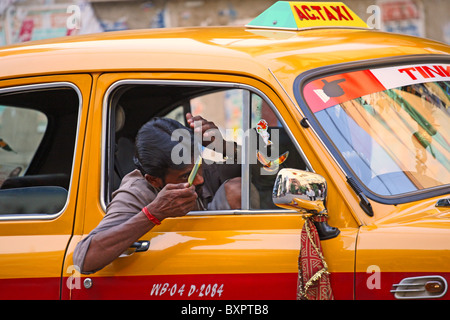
(329, 91)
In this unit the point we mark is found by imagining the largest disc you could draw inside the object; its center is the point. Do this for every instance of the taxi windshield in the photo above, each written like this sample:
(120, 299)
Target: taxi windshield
(391, 127)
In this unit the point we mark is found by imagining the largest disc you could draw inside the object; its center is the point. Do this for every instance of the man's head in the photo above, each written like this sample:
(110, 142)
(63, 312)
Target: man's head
(153, 156)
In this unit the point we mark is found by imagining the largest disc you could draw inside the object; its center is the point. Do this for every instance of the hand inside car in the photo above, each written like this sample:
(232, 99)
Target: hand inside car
(210, 132)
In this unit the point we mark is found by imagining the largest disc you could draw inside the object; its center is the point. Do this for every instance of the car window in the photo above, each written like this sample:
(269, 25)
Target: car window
(37, 138)
(236, 112)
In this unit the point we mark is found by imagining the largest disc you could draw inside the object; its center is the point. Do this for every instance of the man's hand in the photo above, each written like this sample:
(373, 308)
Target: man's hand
(174, 200)
(208, 129)
(212, 138)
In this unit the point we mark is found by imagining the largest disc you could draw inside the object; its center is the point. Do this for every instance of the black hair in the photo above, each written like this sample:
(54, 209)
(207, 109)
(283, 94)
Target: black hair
(154, 146)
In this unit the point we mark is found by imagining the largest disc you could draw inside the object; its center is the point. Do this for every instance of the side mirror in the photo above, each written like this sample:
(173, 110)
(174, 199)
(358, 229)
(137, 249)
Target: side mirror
(306, 192)
(300, 190)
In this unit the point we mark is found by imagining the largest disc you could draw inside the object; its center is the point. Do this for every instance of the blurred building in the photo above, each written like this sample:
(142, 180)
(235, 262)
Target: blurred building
(24, 20)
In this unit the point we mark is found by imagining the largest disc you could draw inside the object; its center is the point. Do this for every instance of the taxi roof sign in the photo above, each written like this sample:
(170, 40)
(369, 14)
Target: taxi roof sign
(298, 15)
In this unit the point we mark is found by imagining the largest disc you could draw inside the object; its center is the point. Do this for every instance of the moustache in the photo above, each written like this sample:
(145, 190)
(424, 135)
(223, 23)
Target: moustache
(199, 189)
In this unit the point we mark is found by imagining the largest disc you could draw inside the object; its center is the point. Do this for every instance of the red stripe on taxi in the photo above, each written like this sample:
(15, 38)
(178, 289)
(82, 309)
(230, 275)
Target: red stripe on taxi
(268, 286)
(261, 286)
(30, 288)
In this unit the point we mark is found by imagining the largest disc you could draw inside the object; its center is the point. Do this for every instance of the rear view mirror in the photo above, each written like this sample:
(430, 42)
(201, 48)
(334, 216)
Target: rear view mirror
(300, 190)
(305, 192)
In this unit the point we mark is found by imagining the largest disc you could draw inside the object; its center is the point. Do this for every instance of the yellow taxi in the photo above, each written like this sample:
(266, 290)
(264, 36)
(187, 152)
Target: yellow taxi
(361, 124)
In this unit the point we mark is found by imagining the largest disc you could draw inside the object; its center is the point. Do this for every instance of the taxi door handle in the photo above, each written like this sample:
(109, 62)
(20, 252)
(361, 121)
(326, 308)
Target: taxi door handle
(141, 246)
(138, 246)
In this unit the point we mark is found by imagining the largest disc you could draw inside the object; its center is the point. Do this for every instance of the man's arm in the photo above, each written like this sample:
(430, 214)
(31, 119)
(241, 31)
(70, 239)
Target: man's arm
(174, 200)
(107, 245)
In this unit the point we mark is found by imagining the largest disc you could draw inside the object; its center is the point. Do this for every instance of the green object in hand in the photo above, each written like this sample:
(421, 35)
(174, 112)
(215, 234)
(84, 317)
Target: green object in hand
(193, 173)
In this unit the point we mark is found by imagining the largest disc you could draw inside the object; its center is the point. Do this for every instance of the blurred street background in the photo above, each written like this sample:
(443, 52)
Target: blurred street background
(25, 20)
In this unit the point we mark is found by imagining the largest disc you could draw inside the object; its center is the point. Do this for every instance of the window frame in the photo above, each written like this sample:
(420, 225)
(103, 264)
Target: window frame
(44, 86)
(107, 164)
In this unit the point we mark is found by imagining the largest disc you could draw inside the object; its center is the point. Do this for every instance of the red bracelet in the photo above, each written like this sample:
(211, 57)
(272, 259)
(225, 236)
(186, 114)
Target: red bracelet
(150, 217)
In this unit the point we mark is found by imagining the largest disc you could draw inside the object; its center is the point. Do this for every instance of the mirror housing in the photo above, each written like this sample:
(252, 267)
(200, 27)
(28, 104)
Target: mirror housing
(300, 190)
(305, 192)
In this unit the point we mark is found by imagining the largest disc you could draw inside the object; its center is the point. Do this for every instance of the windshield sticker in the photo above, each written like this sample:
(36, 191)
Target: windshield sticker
(406, 75)
(261, 128)
(5, 146)
(329, 91)
(269, 165)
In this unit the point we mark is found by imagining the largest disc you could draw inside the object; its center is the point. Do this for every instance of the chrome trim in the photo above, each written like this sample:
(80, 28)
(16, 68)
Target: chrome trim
(414, 288)
(291, 196)
(265, 211)
(40, 86)
(242, 212)
(245, 156)
(216, 213)
(231, 85)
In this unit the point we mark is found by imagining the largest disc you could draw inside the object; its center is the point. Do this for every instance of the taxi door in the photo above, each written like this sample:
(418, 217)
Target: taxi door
(251, 253)
(42, 130)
